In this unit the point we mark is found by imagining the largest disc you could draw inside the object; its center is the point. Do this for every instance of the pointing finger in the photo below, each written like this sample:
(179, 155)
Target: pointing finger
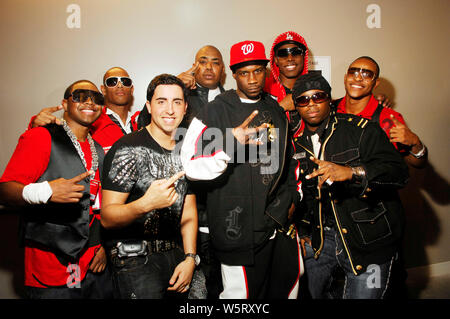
(396, 122)
(174, 178)
(316, 160)
(314, 174)
(52, 109)
(249, 119)
(194, 68)
(80, 177)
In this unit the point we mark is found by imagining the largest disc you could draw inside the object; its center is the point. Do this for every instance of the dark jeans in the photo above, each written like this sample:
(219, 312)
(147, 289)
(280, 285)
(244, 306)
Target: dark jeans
(93, 286)
(146, 277)
(369, 285)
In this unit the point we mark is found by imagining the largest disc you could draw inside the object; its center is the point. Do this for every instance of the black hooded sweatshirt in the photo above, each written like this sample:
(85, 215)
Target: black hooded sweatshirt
(249, 199)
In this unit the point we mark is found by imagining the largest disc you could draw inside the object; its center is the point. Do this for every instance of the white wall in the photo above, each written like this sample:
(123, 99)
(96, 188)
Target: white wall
(41, 56)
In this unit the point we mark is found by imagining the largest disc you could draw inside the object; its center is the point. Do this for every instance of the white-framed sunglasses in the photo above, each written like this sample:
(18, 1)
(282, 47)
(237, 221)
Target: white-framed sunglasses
(112, 81)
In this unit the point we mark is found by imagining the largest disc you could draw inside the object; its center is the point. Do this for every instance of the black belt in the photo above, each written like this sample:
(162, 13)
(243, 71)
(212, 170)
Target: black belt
(133, 248)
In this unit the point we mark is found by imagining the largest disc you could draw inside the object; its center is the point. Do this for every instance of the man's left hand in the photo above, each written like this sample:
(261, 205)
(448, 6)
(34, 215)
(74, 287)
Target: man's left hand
(182, 276)
(98, 263)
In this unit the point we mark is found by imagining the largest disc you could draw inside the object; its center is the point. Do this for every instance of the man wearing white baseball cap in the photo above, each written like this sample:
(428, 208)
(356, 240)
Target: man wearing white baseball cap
(252, 182)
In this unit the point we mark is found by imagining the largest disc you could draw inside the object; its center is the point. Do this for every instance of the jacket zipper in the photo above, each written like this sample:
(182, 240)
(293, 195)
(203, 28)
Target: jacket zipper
(317, 253)
(281, 173)
(338, 224)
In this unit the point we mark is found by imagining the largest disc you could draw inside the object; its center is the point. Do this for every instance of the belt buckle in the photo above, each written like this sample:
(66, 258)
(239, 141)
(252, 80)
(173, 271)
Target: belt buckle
(131, 249)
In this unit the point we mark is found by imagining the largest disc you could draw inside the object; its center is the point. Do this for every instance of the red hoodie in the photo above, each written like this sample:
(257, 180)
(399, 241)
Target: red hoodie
(273, 85)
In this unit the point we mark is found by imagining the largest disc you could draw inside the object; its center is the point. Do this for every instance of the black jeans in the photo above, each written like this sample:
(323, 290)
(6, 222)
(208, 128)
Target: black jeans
(93, 286)
(145, 277)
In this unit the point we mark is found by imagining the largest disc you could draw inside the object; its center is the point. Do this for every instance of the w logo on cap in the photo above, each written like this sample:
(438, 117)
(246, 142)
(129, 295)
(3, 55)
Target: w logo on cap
(247, 48)
(289, 37)
(247, 51)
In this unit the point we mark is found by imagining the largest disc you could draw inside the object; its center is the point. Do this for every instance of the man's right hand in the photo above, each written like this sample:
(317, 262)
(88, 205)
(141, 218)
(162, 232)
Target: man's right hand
(188, 77)
(46, 116)
(160, 194)
(245, 134)
(68, 190)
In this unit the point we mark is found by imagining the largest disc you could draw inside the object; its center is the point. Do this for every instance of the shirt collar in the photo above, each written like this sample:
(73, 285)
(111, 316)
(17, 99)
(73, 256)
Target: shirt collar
(367, 112)
(126, 126)
(211, 93)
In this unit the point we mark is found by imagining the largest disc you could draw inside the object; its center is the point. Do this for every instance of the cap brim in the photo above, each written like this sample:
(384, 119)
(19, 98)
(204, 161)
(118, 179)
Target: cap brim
(246, 62)
(301, 45)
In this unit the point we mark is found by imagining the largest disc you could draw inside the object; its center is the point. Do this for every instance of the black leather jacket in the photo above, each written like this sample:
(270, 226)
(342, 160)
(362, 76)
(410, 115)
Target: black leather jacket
(197, 99)
(368, 214)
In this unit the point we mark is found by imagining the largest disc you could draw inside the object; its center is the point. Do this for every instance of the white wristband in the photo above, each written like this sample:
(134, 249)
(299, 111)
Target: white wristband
(37, 193)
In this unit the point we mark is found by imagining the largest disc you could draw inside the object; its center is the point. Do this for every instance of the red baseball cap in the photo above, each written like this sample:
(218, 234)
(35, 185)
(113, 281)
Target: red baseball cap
(247, 51)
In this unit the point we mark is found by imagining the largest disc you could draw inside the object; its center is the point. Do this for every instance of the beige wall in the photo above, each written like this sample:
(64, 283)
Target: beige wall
(41, 56)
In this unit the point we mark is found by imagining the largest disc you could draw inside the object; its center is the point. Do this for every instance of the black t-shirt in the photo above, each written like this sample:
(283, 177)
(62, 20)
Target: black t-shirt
(131, 165)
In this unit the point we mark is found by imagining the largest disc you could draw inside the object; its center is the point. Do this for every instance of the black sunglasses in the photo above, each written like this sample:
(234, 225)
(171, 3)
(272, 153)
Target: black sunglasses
(81, 96)
(294, 51)
(318, 97)
(114, 80)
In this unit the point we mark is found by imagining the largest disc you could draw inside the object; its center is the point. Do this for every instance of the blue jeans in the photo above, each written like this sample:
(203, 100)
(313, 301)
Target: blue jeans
(371, 284)
(145, 277)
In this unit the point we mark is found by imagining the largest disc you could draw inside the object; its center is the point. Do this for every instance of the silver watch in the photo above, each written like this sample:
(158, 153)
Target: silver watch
(195, 256)
(358, 173)
(421, 153)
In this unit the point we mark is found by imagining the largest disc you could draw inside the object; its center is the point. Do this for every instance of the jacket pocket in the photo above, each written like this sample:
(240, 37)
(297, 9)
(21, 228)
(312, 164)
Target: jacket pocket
(372, 223)
(346, 156)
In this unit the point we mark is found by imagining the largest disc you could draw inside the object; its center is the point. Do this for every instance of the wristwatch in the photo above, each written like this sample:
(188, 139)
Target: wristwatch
(421, 153)
(358, 173)
(195, 256)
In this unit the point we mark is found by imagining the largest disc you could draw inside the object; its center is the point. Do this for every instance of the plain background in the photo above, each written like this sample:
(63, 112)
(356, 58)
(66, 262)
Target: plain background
(41, 56)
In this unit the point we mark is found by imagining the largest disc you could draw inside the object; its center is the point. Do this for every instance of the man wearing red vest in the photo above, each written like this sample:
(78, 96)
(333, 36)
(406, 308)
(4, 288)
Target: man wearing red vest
(59, 193)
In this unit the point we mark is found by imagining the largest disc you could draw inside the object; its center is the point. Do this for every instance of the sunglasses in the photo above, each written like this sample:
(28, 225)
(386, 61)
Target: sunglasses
(114, 80)
(318, 97)
(364, 73)
(294, 51)
(81, 96)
